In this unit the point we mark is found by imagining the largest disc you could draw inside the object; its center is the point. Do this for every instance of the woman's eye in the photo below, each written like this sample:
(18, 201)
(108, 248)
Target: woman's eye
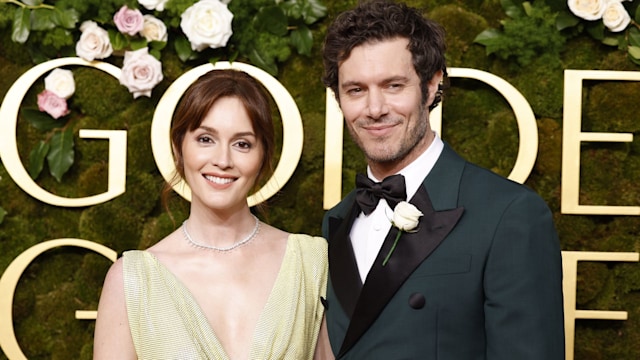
(205, 139)
(243, 144)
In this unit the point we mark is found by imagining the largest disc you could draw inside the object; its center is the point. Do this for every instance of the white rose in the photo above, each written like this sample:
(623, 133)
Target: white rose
(588, 9)
(141, 72)
(61, 83)
(154, 29)
(406, 216)
(153, 4)
(207, 23)
(94, 42)
(616, 18)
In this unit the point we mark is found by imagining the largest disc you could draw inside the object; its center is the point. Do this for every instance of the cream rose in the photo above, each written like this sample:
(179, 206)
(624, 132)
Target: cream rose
(61, 83)
(154, 29)
(52, 104)
(406, 216)
(153, 4)
(141, 72)
(94, 42)
(615, 17)
(588, 9)
(207, 23)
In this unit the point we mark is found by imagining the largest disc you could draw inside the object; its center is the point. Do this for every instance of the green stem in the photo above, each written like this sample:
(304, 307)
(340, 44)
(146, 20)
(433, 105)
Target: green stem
(32, 7)
(392, 248)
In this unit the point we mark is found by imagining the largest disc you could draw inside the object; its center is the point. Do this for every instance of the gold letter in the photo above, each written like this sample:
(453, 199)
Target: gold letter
(572, 137)
(569, 272)
(9, 281)
(9, 148)
(291, 124)
(527, 129)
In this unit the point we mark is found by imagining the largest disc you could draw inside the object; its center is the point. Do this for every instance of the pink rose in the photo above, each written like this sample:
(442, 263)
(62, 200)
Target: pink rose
(128, 21)
(141, 72)
(52, 104)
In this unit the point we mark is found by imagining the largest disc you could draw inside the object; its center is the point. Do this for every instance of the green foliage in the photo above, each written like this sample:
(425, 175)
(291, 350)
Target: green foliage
(529, 32)
(477, 122)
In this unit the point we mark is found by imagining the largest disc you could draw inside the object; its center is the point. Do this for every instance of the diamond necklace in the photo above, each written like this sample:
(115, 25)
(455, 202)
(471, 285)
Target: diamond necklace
(221, 249)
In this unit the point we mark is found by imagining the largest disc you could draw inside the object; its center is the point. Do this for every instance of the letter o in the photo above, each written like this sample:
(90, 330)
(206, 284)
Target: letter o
(291, 124)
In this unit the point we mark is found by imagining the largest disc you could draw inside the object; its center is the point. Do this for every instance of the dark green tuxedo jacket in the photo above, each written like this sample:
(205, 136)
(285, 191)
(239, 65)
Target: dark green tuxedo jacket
(480, 279)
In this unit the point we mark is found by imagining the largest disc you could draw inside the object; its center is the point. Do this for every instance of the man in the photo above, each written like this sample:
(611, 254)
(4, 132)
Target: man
(480, 276)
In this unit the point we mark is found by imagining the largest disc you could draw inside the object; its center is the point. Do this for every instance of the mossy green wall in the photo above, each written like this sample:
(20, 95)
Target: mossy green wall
(477, 122)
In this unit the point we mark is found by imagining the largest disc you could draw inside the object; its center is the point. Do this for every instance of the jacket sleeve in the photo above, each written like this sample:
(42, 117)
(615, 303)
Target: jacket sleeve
(523, 284)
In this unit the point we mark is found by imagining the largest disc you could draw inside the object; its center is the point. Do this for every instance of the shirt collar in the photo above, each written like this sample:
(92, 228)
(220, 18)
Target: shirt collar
(415, 173)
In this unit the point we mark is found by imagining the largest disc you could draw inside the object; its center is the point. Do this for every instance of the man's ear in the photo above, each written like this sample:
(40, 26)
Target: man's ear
(434, 89)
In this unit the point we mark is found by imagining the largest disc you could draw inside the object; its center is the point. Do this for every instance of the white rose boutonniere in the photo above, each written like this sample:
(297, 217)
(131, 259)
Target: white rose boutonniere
(406, 218)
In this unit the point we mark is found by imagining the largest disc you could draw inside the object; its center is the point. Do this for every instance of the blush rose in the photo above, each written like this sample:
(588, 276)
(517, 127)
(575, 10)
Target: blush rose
(52, 104)
(128, 21)
(141, 72)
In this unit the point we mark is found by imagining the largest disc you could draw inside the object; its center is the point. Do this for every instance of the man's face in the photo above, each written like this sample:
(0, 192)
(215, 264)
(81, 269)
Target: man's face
(380, 97)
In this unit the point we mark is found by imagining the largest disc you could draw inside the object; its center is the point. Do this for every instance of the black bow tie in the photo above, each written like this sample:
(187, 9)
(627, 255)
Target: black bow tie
(369, 192)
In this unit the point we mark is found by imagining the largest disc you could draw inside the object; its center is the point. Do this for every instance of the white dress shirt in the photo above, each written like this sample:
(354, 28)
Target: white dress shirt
(369, 231)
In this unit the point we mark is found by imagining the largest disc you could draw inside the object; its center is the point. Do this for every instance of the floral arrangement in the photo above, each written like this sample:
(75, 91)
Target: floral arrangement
(406, 218)
(548, 25)
(135, 35)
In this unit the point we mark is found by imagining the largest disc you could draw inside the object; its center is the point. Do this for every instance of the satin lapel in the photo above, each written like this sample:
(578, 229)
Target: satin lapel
(343, 267)
(383, 282)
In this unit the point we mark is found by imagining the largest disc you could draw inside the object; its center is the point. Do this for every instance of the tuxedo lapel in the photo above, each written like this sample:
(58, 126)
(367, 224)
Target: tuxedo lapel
(383, 281)
(343, 268)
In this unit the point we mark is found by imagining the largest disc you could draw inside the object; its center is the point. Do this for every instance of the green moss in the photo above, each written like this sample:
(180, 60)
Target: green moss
(111, 99)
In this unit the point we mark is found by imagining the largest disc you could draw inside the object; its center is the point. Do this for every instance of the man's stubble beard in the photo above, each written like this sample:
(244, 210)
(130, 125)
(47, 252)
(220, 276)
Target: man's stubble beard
(391, 153)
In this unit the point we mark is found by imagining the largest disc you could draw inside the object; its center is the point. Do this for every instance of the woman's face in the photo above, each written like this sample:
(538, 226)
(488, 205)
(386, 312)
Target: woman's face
(222, 157)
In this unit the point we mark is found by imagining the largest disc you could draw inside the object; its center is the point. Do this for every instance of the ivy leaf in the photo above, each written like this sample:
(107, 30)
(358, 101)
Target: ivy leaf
(634, 52)
(312, 11)
(33, 2)
(67, 18)
(273, 20)
(512, 9)
(60, 157)
(566, 20)
(138, 44)
(36, 159)
(3, 212)
(262, 62)
(489, 38)
(302, 39)
(183, 49)
(42, 19)
(596, 30)
(40, 120)
(21, 23)
(610, 40)
(117, 39)
(634, 36)
(637, 15)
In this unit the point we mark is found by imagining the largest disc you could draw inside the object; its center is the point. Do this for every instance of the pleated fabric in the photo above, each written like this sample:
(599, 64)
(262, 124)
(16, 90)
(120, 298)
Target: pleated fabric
(167, 323)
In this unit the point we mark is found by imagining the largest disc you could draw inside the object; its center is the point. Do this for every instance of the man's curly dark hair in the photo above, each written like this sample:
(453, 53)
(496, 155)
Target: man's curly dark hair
(379, 20)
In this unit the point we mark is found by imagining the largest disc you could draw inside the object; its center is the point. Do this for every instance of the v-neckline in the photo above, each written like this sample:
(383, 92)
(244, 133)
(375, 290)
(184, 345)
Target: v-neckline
(198, 308)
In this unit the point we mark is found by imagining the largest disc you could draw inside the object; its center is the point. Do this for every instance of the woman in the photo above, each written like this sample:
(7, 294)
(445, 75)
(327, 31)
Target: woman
(224, 285)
